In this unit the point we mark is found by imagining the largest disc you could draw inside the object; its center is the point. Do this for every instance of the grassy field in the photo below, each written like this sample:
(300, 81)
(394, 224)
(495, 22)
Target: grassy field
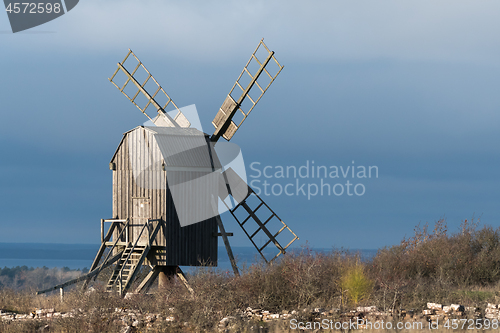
(432, 266)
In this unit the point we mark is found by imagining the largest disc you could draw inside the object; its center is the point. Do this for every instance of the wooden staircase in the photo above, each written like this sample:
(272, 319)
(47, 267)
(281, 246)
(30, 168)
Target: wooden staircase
(127, 268)
(131, 260)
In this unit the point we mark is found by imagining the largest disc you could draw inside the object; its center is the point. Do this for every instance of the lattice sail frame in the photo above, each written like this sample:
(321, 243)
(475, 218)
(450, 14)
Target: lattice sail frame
(245, 212)
(223, 121)
(166, 120)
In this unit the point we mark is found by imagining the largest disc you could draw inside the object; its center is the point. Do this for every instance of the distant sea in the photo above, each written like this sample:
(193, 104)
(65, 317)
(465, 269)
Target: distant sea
(81, 256)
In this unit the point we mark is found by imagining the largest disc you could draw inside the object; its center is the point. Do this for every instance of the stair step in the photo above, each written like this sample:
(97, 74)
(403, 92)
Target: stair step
(127, 265)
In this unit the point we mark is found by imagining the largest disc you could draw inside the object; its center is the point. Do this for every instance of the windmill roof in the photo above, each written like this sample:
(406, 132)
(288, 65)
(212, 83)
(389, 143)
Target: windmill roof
(174, 131)
(181, 147)
(185, 151)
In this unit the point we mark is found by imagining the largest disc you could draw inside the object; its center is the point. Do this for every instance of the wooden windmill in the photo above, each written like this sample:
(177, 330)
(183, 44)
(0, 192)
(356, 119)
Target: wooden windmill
(156, 167)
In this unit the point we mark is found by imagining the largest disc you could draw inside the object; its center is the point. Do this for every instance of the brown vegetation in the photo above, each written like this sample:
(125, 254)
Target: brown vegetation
(435, 266)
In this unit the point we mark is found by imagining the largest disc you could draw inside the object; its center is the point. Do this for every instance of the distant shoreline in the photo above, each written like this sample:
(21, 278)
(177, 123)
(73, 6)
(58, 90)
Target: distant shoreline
(79, 256)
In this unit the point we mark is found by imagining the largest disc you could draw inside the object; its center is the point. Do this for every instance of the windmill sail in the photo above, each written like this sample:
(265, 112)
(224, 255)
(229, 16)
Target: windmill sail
(138, 80)
(259, 222)
(248, 87)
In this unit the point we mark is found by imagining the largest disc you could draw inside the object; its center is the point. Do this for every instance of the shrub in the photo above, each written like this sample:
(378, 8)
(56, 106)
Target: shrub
(356, 284)
(431, 266)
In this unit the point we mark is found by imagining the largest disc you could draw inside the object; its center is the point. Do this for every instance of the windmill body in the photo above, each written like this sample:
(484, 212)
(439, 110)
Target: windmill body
(147, 160)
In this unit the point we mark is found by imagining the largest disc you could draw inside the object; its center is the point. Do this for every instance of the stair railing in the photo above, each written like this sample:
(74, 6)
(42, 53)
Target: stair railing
(114, 244)
(132, 251)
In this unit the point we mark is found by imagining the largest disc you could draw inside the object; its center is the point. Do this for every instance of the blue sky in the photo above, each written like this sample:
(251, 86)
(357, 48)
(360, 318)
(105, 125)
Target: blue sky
(410, 87)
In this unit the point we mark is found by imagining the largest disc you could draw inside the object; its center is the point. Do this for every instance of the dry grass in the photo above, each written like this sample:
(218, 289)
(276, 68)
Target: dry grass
(429, 267)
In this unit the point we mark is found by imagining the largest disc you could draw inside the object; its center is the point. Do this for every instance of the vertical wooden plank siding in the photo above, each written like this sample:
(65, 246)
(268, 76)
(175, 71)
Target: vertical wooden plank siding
(187, 246)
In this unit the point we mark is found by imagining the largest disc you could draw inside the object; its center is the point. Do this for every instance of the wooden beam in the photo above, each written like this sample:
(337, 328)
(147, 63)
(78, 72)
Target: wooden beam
(148, 280)
(220, 131)
(261, 226)
(226, 244)
(182, 277)
(100, 252)
(103, 247)
(218, 234)
(89, 275)
(148, 96)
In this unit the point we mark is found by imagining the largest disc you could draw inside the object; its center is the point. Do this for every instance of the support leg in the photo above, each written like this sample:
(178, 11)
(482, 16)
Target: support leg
(166, 274)
(228, 247)
(182, 277)
(148, 280)
(225, 239)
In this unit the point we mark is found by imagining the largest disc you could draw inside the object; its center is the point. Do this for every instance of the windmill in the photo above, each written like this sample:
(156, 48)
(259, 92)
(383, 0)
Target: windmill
(168, 184)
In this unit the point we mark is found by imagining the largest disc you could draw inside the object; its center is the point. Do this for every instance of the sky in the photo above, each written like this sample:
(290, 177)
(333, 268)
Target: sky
(409, 88)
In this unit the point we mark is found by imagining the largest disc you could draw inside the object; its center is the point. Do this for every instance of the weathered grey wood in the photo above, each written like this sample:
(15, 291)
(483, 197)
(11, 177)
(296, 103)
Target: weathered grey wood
(181, 246)
(219, 234)
(261, 225)
(182, 277)
(225, 239)
(89, 275)
(128, 267)
(148, 96)
(148, 280)
(226, 127)
(101, 249)
(228, 246)
(112, 248)
(165, 275)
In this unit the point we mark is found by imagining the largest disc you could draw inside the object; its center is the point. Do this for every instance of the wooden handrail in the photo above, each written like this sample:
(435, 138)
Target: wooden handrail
(133, 248)
(83, 277)
(115, 242)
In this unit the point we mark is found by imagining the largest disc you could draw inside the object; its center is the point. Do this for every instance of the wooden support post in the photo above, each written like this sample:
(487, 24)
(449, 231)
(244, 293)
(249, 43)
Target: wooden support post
(148, 280)
(120, 286)
(87, 276)
(102, 231)
(103, 247)
(182, 277)
(225, 239)
(61, 292)
(228, 247)
(165, 275)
